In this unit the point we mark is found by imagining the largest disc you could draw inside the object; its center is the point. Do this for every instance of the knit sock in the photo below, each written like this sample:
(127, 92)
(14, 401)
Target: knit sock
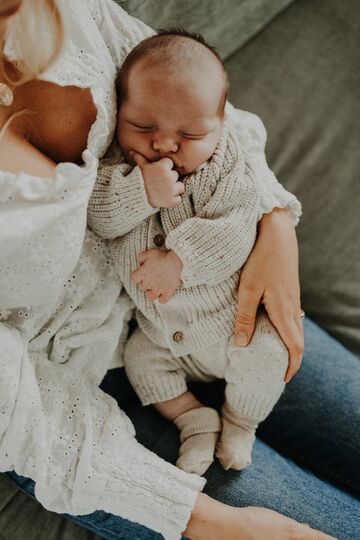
(199, 432)
(237, 438)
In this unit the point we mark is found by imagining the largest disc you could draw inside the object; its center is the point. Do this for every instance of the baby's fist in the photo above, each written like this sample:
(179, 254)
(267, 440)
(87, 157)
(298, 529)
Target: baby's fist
(161, 183)
(158, 275)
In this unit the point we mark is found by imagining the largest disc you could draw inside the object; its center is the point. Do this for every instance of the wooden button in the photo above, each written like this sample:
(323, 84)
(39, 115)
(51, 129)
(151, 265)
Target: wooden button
(178, 337)
(159, 240)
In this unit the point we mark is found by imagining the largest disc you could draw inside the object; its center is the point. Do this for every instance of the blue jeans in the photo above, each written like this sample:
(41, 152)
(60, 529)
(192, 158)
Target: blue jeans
(306, 460)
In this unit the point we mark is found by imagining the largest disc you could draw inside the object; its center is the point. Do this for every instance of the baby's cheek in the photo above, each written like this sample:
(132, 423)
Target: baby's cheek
(130, 140)
(198, 152)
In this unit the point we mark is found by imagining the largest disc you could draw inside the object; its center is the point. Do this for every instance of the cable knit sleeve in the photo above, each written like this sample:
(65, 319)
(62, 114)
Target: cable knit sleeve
(216, 242)
(251, 135)
(118, 202)
(61, 430)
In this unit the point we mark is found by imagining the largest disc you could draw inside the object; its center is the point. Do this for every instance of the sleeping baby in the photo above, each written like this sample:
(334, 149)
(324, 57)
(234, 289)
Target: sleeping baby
(177, 196)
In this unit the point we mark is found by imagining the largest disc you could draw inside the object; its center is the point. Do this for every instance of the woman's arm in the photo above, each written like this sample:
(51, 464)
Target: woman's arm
(17, 154)
(270, 274)
(62, 431)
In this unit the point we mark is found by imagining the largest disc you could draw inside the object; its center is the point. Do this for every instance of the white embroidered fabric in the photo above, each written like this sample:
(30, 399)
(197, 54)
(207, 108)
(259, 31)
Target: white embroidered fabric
(63, 314)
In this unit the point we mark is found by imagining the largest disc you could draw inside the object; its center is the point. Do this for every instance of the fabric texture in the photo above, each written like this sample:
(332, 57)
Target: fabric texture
(254, 374)
(62, 321)
(294, 461)
(199, 432)
(254, 378)
(220, 207)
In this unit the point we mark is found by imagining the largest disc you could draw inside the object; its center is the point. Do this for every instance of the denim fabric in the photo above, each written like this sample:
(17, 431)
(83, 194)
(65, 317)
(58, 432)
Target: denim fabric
(305, 460)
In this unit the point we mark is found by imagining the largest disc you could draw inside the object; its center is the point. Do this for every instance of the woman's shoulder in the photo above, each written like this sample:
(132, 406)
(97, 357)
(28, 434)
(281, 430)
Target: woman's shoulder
(248, 127)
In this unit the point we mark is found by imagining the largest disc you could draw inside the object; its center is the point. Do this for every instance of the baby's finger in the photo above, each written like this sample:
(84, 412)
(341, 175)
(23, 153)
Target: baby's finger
(143, 255)
(152, 295)
(139, 159)
(175, 201)
(143, 286)
(136, 276)
(167, 163)
(174, 175)
(179, 188)
(165, 297)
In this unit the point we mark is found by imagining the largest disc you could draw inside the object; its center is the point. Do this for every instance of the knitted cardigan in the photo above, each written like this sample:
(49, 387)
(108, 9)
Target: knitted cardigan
(212, 230)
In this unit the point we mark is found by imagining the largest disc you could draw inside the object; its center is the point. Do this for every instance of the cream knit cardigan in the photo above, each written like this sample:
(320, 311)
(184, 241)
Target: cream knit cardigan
(63, 312)
(212, 230)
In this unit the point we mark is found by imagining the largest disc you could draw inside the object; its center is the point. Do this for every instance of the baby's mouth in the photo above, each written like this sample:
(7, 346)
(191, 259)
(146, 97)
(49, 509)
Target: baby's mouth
(178, 168)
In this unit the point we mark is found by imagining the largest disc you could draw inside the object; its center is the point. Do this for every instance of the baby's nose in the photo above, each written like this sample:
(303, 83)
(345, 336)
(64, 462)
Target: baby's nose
(165, 145)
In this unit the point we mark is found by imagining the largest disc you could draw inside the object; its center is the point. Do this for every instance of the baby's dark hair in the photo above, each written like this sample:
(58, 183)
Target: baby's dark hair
(169, 45)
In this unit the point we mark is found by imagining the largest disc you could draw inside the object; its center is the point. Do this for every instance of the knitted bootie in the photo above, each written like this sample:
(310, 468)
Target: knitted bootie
(237, 438)
(199, 432)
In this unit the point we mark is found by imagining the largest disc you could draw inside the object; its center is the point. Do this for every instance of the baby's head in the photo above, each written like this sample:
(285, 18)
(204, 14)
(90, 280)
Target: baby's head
(172, 91)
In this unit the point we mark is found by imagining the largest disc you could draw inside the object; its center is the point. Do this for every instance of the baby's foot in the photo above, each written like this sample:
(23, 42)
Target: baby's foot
(199, 432)
(237, 439)
(235, 446)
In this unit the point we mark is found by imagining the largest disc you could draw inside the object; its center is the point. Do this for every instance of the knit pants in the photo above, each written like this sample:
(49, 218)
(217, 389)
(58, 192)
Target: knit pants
(254, 374)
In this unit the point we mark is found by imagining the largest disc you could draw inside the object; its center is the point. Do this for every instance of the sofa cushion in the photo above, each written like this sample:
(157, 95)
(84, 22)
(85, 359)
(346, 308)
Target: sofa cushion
(301, 76)
(226, 24)
(21, 517)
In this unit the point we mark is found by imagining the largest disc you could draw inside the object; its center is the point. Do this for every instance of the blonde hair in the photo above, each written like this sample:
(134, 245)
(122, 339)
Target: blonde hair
(36, 33)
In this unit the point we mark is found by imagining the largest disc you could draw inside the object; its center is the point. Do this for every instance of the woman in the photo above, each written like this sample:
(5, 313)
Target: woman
(64, 319)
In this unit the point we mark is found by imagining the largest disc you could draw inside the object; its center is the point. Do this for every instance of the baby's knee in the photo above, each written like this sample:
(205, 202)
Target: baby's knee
(135, 358)
(273, 350)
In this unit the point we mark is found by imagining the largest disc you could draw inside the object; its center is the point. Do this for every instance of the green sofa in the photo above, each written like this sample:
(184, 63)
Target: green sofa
(295, 64)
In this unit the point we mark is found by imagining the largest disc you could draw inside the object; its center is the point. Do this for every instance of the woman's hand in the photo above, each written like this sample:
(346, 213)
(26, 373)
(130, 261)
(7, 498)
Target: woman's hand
(271, 276)
(212, 520)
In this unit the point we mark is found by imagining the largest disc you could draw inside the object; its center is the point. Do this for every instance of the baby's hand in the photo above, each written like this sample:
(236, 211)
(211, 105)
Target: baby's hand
(161, 181)
(159, 274)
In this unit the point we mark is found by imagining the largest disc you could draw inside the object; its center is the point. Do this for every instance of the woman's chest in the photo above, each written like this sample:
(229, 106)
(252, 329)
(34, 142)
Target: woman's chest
(55, 119)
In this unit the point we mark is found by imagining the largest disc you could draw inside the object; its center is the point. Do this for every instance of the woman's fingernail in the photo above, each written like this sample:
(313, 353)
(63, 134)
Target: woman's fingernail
(241, 339)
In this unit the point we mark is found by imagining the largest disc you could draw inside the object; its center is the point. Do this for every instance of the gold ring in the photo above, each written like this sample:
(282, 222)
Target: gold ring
(302, 314)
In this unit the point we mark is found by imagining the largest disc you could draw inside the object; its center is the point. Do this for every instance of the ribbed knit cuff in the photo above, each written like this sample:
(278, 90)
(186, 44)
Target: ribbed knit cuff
(253, 404)
(199, 420)
(155, 387)
(183, 248)
(143, 488)
(118, 203)
(135, 197)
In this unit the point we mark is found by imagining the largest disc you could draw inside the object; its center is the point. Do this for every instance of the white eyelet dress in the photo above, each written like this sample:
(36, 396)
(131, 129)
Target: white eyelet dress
(63, 314)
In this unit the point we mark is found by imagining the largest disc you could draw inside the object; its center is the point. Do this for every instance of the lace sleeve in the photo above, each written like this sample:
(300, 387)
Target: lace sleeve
(60, 429)
(251, 134)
